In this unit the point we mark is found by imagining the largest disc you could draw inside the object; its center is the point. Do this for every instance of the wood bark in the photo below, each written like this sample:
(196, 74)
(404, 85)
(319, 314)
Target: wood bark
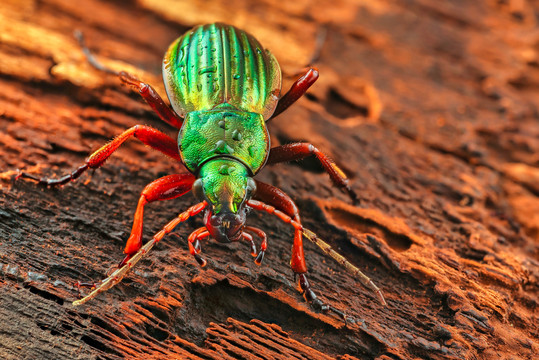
(430, 106)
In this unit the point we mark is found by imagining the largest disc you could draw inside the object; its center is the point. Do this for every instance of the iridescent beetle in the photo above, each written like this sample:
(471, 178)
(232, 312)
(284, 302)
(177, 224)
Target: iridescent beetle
(223, 87)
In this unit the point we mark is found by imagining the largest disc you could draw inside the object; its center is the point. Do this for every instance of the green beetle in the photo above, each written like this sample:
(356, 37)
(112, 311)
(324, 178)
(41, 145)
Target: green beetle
(223, 87)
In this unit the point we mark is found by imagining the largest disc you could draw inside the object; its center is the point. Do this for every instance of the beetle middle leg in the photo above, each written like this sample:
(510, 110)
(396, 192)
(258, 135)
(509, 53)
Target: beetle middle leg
(145, 90)
(148, 135)
(297, 151)
(284, 207)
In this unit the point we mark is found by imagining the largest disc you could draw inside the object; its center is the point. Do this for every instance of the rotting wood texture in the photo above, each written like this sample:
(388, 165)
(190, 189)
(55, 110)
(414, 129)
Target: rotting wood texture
(431, 107)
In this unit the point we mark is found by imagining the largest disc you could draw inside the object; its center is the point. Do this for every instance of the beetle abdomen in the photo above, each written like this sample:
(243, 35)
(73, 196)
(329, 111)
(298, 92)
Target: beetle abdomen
(217, 63)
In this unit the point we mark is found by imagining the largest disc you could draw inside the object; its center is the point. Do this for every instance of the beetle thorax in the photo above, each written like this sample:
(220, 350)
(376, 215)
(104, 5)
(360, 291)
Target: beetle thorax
(224, 132)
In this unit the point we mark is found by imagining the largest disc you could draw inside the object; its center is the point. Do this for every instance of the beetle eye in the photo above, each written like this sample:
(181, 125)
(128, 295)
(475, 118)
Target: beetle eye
(198, 191)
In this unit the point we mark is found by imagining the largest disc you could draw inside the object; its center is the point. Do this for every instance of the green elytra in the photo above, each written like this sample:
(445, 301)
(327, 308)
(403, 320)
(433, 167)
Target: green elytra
(225, 85)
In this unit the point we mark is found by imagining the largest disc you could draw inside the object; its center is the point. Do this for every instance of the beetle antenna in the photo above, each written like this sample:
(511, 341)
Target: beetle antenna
(90, 57)
(326, 248)
(122, 271)
(352, 269)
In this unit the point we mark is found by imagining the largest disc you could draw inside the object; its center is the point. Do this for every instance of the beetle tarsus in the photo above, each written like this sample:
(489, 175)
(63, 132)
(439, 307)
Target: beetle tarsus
(313, 300)
(263, 245)
(194, 244)
(54, 182)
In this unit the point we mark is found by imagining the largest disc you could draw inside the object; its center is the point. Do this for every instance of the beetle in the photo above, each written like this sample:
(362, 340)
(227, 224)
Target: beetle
(223, 88)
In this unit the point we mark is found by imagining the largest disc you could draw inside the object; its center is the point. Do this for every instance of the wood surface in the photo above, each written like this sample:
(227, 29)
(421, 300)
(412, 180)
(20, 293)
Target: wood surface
(431, 106)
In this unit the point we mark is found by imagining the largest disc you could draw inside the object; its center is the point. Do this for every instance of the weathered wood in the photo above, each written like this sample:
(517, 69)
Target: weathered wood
(431, 106)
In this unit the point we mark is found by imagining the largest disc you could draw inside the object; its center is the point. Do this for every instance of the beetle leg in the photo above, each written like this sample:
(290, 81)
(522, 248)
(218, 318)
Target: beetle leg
(281, 201)
(194, 244)
(326, 248)
(297, 151)
(147, 92)
(315, 302)
(120, 273)
(296, 91)
(148, 135)
(166, 188)
(153, 99)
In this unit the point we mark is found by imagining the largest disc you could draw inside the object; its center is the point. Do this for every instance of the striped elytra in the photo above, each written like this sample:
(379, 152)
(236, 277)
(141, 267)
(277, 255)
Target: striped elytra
(218, 63)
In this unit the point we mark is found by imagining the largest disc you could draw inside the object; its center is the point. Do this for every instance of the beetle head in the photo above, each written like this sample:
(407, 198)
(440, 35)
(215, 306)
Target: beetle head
(226, 185)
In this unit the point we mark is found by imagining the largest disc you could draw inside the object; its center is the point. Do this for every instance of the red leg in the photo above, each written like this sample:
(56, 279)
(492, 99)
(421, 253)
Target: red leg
(152, 98)
(309, 295)
(146, 134)
(165, 188)
(298, 260)
(145, 90)
(296, 91)
(296, 151)
(281, 201)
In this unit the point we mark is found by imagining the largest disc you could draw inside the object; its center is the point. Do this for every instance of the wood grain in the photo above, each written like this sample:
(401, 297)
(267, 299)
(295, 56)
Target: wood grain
(431, 107)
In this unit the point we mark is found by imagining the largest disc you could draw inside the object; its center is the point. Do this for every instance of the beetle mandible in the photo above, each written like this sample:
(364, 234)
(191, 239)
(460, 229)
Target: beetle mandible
(223, 88)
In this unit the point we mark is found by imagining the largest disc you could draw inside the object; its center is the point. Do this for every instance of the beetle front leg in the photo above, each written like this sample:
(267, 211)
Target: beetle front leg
(148, 135)
(297, 151)
(165, 188)
(147, 92)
